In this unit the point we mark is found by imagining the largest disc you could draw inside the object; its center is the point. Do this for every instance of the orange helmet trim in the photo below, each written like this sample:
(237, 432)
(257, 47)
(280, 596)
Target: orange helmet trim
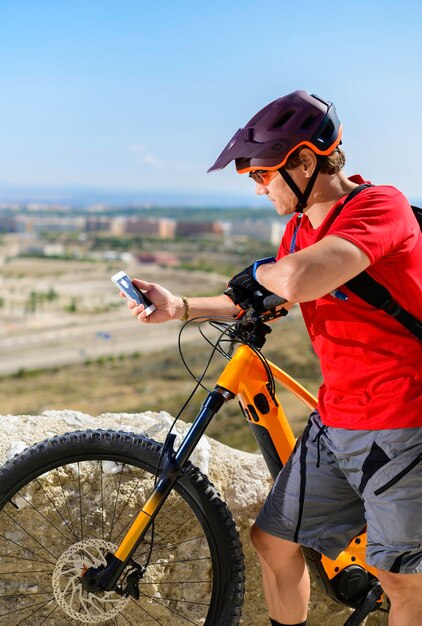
(303, 143)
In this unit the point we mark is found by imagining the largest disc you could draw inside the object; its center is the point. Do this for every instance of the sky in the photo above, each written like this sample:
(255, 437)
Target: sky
(136, 95)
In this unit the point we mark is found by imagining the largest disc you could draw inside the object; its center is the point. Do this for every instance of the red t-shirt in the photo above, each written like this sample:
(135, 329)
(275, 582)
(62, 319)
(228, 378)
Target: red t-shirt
(371, 364)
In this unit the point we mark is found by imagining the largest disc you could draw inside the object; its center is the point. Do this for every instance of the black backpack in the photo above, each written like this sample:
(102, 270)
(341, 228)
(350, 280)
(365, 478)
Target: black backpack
(376, 294)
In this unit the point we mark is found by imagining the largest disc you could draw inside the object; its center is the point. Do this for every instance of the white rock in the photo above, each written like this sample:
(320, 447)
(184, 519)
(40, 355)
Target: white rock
(241, 478)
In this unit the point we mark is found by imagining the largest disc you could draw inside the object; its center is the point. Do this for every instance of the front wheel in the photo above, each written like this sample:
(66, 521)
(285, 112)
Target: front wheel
(68, 501)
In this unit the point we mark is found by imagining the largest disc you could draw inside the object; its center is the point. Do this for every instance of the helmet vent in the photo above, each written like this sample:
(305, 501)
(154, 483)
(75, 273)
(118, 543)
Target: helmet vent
(308, 122)
(284, 119)
(327, 132)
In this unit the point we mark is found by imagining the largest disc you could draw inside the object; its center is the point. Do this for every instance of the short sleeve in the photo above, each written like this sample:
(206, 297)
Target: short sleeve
(379, 221)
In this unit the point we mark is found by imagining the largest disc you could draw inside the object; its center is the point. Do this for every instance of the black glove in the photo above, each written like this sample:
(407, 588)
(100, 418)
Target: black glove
(245, 290)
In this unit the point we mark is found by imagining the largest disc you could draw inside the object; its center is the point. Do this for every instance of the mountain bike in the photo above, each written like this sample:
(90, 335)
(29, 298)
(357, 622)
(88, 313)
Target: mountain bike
(109, 527)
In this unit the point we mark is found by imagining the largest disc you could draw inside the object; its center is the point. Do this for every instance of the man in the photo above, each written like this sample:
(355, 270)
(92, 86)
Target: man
(359, 460)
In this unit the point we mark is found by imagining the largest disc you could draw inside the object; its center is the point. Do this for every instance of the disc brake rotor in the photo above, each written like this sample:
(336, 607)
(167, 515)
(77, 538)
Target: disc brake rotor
(81, 605)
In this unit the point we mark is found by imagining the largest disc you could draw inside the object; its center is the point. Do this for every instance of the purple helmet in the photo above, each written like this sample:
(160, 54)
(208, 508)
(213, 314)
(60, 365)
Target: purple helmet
(268, 139)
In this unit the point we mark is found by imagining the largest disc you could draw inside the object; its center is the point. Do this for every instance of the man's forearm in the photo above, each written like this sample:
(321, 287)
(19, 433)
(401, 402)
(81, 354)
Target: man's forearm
(212, 306)
(314, 271)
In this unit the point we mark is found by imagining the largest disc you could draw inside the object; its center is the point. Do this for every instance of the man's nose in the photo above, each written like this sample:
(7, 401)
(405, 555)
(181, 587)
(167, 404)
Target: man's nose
(260, 190)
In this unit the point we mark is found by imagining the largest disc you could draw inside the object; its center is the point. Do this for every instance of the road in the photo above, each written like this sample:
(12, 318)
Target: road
(52, 336)
(109, 335)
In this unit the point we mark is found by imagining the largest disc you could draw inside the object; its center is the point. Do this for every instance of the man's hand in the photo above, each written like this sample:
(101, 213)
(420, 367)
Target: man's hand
(245, 290)
(167, 306)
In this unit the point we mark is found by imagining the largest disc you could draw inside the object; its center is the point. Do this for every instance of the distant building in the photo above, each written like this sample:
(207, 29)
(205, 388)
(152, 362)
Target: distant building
(261, 230)
(40, 249)
(190, 229)
(8, 224)
(160, 258)
(58, 224)
(163, 228)
(97, 224)
(54, 249)
(118, 226)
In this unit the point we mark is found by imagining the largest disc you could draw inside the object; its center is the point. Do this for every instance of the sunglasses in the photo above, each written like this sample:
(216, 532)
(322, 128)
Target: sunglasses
(262, 177)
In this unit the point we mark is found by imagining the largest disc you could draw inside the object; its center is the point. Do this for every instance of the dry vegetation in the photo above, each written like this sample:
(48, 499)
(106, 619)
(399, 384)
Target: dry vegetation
(55, 313)
(158, 381)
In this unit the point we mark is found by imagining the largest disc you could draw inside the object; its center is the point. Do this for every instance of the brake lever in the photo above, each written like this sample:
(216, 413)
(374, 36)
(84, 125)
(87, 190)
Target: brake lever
(269, 303)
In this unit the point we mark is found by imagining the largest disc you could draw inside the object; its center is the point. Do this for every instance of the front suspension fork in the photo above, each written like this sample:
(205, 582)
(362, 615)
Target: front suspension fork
(106, 577)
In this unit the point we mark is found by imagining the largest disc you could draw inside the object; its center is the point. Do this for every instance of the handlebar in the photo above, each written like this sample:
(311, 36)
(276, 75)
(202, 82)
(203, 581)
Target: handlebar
(261, 304)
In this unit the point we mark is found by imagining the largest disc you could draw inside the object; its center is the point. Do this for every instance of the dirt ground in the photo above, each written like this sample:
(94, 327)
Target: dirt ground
(57, 312)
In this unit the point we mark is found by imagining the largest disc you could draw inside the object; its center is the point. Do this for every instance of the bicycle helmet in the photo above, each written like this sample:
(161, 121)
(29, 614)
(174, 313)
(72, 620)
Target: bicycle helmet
(274, 133)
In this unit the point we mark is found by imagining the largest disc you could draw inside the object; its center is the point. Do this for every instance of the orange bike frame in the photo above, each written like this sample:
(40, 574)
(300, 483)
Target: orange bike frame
(245, 377)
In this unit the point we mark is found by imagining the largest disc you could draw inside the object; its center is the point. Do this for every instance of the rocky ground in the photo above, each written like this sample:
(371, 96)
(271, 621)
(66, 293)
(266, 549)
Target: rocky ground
(241, 478)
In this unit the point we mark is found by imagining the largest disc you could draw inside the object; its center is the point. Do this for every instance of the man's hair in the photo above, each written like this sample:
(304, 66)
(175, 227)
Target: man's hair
(331, 164)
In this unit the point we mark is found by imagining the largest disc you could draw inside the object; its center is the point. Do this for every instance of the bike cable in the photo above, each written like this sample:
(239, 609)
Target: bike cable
(215, 348)
(220, 324)
(224, 329)
(234, 333)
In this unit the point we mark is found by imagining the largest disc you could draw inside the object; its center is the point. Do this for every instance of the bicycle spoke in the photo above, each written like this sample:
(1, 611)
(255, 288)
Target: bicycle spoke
(24, 595)
(157, 547)
(43, 516)
(177, 582)
(33, 571)
(58, 512)
(25, 608)
(170, 610)
(193, 560)
(163, 515)
(23, 558)
(40, 559)
(128, 499)
(67, 504)
(126, 619)
(115, 502)
(160, 541)
(149, 614)
(144, 595)
(78, 509)
(51, 613)
(80, 500)
(102, 500)
(178, 527)
(25, 530)
(33, 613)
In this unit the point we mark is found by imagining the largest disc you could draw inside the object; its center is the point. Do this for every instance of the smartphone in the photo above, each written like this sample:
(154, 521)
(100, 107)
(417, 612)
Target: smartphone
(125, 284)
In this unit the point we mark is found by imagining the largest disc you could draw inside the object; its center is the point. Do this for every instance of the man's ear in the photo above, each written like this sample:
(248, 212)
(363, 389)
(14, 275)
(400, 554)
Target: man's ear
(309, 161)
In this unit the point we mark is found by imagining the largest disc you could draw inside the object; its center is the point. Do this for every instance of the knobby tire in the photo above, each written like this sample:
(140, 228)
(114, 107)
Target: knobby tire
(74, 494)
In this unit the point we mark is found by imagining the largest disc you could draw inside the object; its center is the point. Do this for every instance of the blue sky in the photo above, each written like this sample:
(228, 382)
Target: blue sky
(139, 95)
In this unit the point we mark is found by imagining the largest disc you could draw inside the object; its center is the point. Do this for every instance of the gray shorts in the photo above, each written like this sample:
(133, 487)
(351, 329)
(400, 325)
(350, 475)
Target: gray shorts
(338, 480)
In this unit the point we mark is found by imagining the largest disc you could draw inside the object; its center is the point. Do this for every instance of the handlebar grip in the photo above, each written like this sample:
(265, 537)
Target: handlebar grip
(258, 299)
(272, 301)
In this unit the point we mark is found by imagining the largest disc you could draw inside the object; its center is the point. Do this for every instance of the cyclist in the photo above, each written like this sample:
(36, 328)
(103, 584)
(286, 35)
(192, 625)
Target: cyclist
(359, 459)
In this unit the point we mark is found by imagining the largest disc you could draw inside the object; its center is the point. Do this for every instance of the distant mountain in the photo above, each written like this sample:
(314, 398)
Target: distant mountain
(83, 196)
(79, 196)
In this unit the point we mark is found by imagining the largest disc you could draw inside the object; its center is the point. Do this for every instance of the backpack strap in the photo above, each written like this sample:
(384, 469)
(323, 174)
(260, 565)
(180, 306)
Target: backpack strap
(367, 288)
(355, 192)
(417, 211)
(375, 294)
